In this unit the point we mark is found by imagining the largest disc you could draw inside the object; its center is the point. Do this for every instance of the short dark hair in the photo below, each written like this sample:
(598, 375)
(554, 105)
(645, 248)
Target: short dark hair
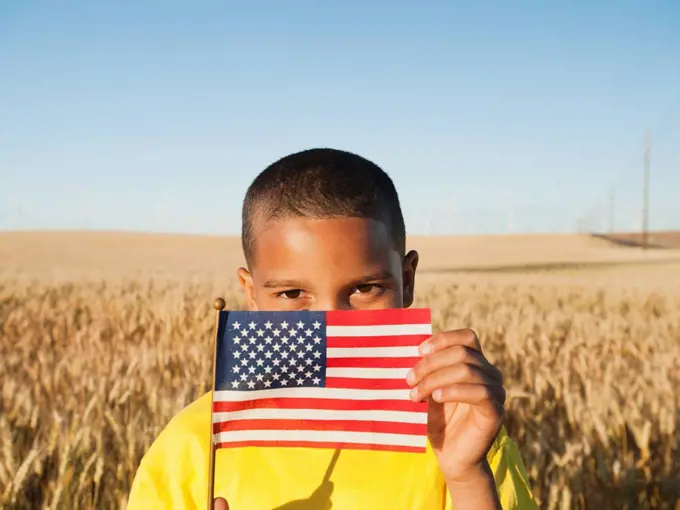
(322, 183)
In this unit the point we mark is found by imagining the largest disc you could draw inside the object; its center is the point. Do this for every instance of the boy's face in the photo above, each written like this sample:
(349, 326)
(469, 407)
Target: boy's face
(327, 264)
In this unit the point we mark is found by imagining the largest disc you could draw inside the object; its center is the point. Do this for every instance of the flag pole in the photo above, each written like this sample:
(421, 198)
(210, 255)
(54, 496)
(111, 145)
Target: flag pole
(219, 305)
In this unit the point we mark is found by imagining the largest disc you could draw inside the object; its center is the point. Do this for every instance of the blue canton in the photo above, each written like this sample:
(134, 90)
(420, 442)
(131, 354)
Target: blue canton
(271, 350)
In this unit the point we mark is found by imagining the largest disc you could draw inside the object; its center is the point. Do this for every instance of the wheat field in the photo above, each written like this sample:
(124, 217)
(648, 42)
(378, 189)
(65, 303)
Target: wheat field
(104, 337)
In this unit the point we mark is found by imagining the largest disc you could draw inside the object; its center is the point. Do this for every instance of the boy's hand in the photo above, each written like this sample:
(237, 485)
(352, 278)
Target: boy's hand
(466, 403)
(221, 504)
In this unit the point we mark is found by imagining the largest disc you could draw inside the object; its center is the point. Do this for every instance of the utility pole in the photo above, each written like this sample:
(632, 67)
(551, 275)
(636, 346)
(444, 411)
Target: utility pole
(645, 194)
(612, 201)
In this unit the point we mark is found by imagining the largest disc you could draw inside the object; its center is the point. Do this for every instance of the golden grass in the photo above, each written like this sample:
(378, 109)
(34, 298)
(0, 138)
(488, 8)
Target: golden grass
(96, 361)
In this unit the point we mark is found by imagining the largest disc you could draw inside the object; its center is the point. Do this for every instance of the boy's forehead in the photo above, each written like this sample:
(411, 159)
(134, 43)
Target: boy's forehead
(322, 245)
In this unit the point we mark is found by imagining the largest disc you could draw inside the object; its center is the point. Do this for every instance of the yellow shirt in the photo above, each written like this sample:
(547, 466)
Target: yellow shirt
(174, 474)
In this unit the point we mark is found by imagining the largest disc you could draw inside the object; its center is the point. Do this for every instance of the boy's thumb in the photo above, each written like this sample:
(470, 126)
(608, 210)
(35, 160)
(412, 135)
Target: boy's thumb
(221, 504)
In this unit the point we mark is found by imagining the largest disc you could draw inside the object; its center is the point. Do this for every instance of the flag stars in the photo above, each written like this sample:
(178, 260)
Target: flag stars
(266, 350)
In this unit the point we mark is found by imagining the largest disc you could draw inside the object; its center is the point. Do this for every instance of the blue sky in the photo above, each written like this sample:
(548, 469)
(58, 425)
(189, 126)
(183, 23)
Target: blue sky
(490, 116)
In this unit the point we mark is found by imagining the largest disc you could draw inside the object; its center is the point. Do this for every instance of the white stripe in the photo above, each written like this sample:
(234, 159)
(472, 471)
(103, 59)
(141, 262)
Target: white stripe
(321, 414)
(373, 352)
(380, 330)
(325, 436)
(368, 373)
(328, 393)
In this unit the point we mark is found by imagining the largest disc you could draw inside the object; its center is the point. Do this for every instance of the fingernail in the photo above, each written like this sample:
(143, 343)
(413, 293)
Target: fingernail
(425, 348)
(410, 378)
(437, 395)
(414, 394)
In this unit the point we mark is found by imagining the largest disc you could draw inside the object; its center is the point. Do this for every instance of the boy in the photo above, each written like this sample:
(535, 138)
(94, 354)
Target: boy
(323, 230)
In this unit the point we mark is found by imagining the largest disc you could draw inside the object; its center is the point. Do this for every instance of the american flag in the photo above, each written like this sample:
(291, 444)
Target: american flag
(334, 379)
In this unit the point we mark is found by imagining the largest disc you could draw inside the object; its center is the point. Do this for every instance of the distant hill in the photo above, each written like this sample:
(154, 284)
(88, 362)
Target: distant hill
(659, 240)
(66, 254)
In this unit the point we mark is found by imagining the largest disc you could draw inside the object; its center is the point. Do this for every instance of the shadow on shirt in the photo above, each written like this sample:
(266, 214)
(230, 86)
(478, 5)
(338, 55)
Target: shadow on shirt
(319, 500)
(321, 497)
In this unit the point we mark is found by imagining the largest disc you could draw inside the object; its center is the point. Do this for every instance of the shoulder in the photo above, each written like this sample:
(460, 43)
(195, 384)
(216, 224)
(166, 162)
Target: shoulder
(510, 474)
(174, 467)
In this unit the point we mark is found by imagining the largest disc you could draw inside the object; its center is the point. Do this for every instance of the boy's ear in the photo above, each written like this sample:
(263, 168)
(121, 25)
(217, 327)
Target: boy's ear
(409, 277)
(246, 281)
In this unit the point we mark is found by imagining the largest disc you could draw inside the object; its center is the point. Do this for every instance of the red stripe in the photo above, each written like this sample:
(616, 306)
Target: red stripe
(383, 427)
(371, 362)
(331, 446)
(321, 403)
(376, 341)
(381, 317)
(366, 384)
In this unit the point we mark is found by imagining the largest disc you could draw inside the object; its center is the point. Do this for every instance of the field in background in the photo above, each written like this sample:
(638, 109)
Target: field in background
(104, 337)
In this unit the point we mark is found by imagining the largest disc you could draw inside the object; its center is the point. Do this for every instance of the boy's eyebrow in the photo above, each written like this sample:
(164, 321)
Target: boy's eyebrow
(273, 284)
(382, 274)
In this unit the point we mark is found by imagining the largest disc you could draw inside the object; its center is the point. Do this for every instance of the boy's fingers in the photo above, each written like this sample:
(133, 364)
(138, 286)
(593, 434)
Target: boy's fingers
(440, 341)
(460, 374)
(454, 355)
(221, 504)
(488, 399)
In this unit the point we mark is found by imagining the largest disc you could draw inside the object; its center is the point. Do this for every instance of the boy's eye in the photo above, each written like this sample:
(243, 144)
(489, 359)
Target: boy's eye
(291, 294)
(366, 288)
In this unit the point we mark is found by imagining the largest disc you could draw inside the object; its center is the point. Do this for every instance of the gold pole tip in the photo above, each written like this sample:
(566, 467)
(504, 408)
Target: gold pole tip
(219, 304)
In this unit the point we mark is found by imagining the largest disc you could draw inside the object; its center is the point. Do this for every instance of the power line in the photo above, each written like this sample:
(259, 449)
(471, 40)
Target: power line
(645, 193)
